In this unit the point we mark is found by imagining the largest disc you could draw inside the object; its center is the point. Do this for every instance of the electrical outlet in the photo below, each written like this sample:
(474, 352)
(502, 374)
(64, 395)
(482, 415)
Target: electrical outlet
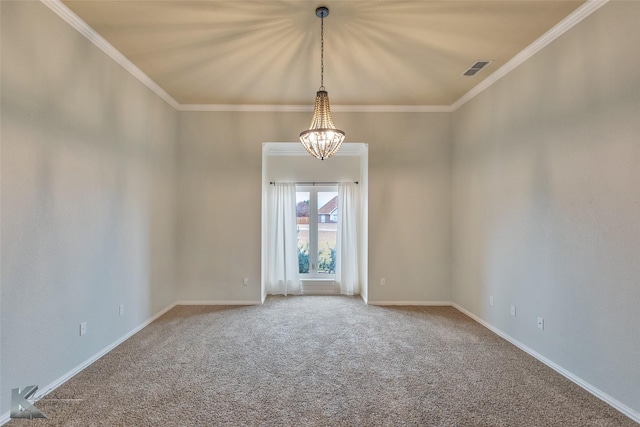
(383, 281)
(540, 323)
(121, 309)
(245, 281)
(513, 310)
(83, 328)
(491, 301)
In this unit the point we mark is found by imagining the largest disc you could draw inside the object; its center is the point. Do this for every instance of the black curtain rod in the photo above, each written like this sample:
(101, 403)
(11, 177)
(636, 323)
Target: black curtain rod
(314, 183)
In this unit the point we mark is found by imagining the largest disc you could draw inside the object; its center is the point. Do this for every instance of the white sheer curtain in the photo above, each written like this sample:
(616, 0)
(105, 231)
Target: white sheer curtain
(347, 264)
(282, 243)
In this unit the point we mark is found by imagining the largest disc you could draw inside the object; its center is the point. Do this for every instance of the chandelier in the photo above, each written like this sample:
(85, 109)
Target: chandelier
(322, 140)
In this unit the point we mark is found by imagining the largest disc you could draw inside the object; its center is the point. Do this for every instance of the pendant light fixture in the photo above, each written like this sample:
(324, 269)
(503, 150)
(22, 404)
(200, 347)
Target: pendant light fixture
(322, 140)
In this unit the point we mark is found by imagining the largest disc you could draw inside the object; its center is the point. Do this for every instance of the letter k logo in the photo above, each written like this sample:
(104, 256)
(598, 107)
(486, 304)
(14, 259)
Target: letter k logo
(19, 399)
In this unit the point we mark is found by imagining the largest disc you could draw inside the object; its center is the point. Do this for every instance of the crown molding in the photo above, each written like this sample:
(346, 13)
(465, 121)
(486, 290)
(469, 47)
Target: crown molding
(563, 26)
(309, 108)
(83, 28)
(392, 108)
(245, 108)
(559, 29)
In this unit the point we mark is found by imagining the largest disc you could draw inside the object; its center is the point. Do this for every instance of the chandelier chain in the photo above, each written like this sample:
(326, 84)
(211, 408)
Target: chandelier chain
(322, 52)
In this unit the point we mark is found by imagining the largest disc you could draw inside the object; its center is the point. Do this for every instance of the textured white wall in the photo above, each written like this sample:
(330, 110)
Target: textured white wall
(87, 199)
(409, 204)
(307, 168)
(546, 202)
(220, 193)
(220, 201)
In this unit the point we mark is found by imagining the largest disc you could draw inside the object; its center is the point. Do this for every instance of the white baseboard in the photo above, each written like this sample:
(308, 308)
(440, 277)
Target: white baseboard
(418, 303)
(224, 302)
(634, 415)
(6, 417)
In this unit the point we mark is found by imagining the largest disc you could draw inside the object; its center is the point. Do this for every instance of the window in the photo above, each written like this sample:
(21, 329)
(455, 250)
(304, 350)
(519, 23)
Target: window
(317, 224)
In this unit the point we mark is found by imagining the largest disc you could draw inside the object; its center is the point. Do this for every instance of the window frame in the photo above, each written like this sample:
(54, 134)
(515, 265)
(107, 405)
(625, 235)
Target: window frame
(313, 191)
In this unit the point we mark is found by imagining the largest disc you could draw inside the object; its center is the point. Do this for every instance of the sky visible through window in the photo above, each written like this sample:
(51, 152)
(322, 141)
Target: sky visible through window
(323, 197)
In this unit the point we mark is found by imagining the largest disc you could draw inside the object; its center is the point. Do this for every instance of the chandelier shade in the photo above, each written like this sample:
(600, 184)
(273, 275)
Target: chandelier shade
(322, 140)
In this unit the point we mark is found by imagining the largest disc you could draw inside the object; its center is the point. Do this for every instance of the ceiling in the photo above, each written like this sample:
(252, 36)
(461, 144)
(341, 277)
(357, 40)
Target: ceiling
(385, 52)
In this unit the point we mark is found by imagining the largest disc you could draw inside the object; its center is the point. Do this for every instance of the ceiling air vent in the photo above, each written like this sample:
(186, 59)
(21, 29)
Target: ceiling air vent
(475, 68)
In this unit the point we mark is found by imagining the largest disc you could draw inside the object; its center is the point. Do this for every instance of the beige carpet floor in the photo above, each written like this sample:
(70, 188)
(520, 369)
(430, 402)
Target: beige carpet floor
(319, 361)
